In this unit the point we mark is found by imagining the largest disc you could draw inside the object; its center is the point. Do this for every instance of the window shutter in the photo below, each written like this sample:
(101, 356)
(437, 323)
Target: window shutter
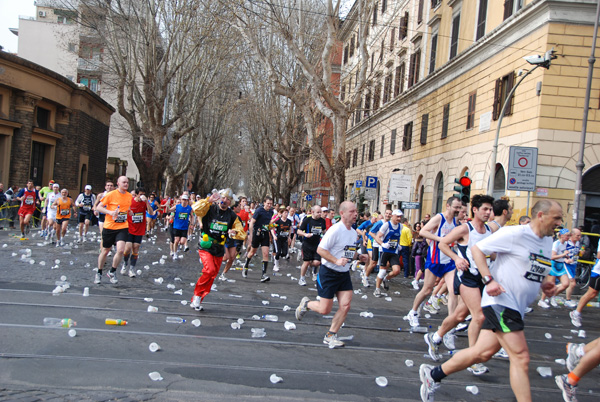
(497, 99)
(509, 87)
(424, 126)
(508, 8)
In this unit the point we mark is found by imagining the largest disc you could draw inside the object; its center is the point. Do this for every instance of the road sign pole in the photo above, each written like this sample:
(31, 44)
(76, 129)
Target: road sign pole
(528, 198)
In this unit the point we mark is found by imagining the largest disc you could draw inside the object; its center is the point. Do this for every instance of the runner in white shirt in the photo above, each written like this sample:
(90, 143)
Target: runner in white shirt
(337, 250)
(521, 268)
(51, 212)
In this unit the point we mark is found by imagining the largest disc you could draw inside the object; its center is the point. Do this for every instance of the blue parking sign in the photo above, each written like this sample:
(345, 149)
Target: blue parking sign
(371, 182)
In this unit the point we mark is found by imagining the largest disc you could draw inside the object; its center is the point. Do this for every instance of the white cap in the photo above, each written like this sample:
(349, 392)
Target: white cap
(185, 197)
(324, 209)
(56, 185)
(88, 187)
(397, 212)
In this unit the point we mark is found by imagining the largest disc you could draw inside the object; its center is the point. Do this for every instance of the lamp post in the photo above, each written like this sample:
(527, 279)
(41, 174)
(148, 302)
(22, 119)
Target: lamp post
(536, 61)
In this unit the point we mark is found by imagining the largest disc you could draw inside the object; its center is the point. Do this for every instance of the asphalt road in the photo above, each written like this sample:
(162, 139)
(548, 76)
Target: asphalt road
(215, 362)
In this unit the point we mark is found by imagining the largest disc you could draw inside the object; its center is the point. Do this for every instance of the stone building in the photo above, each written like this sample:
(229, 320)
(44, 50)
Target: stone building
(50, 128)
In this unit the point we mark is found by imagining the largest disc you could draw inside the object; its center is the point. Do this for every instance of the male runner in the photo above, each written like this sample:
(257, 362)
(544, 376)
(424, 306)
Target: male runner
(181, 222)
(281, 235)
(63, 206)
(259, 233)
(232, 246)
(44, 191)
(520, 269)
(312, 230)
(589, 295)
(85, 201)
(388, 237)
(573, 248)
(29, 198)
(136, 228)
(51, 212)
(151, 218)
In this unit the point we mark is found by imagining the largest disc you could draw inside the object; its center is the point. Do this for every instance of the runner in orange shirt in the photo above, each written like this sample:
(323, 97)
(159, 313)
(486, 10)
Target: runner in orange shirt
(63, 206)
(116, 206)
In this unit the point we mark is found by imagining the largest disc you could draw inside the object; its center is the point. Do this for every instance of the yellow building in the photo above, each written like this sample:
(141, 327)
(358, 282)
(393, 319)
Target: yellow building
(435, 96)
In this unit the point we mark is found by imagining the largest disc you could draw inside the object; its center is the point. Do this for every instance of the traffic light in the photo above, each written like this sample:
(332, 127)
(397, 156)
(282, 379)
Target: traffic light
(463, 188)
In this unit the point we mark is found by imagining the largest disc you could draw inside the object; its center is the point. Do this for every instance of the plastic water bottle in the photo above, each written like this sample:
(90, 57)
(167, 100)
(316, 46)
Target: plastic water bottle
(175, 320)
(270, 317)
(420, 330)
(59, 322)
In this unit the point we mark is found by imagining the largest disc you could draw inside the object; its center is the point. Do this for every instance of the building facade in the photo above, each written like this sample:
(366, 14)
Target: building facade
(441, 71)
(50, 128)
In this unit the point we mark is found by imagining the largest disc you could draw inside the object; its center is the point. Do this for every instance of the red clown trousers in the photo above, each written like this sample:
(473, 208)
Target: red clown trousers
(210, 270)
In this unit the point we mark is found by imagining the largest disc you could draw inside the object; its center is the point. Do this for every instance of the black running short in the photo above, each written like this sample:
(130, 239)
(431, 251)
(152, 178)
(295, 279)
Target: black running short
(595, 282)
(392, 258)
(60, 221)
(503, 319)
(260, 239)
(178, 233)
(110, 237)
(468, 279)
(308, 254)
(329, 282)
(131, 238)
(83, 215)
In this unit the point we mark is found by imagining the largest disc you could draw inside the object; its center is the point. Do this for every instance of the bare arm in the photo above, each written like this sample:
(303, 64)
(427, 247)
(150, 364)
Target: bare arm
(431, 226)
(456, 234)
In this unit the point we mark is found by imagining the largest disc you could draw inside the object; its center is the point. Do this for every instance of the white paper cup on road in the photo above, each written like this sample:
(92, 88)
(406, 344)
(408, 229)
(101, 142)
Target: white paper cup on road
(409, 363)
(288, 325)
(275, 378)
(154, 347)
(196, 323)
(235, 325)
(155, 376)
(86, 292)
(72, 333)
(152, 309)
(473, 389)
(381, 381)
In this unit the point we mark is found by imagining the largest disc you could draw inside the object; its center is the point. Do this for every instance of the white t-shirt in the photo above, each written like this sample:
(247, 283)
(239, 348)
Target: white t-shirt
(559, 248)
(522, 263)
(50, 198)
(340, 242)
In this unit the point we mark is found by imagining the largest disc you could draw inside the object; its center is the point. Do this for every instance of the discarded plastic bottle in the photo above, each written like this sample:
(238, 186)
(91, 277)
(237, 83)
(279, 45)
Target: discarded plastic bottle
(115, 321)
(59, 322)
(175, 320)
(270, 317)
(420, 330)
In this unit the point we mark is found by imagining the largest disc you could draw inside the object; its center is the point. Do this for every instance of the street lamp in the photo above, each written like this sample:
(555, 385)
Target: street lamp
(536, 61)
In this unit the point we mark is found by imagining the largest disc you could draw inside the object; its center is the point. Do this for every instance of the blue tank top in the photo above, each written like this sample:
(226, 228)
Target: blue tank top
(393, 237)
(181, 220)
(434, 256)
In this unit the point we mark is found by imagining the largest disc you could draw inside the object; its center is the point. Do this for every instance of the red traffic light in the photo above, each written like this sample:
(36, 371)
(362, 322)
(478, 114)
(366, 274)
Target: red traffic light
(465, 181)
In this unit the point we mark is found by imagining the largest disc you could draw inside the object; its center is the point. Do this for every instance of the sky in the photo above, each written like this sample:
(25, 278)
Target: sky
(9, 18)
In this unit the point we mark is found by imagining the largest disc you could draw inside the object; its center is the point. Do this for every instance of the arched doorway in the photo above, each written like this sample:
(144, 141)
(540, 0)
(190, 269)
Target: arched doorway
(499, 182)
(438, 195)
(590, 187)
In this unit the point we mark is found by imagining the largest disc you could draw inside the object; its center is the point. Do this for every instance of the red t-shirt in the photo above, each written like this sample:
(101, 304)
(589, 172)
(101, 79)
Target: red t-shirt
(245, 218)
(137, 218)
(327, 223)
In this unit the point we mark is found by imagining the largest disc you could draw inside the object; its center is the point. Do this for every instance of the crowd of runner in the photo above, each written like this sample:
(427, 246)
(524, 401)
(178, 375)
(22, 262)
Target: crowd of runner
(486, 272)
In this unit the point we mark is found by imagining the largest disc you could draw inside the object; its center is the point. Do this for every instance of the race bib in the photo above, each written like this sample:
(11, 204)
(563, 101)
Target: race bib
(393, 243)
(183, 216)
(138, 217)
(539, 267)
(316, 231)
(29, 201)
(218, 226)
(87, 207)
(349, 252)
(64, 212)
(121, 218)
(284, 234)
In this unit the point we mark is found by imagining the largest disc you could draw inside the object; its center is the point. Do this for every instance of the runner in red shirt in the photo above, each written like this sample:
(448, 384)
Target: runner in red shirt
(136, 219)
(165, 204)
(29, 197)
(244, 216)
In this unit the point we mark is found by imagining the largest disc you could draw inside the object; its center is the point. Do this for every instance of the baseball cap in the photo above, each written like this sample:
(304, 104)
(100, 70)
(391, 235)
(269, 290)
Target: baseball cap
(185, 197)
(397, 212)
(324, 209)
(88, 187)
(56, 185)
(564, 231)
(51, 182)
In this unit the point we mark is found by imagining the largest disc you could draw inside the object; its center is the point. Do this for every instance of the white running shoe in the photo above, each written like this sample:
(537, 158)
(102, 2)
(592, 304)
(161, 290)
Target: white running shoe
(415, 284)
(428, 385)
(553, 302)
(97, 278)
(196, 304)
(575, 318)
(429, 308)
(222, 277)
(449, 339)
(131, 272)
(413, 320)
(543, 304)
(333, 341)
(365, 282)
(570, 304)
(123, 268)
(314, 277)
(478, 369)
(302, 282)
(501, 354)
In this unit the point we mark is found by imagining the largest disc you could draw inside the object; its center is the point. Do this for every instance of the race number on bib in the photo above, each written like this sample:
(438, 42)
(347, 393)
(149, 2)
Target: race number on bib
(64, 212)
(539, 267)
(218, 226)
(138, 217)
(29, 201)
(393, 243)
(121, 218)
(183, 216)
(316, 231)
(349, 252)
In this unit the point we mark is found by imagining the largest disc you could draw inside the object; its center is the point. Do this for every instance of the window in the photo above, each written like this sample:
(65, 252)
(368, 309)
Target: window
(367, 105)
(399, 83)
(377, 97)
(435, 3)
(511, 7)
(434, 39)
(438, 198)
(355, 157)
(407, 139)
(371, 150)
(343, 93)
(352, 47)
(403, 26)
(413, 71)
(424, 126)
(346, 55)
(471, 110)
(362, 159)
(72, 47)
(387, 89)
(503, 87)
(420, 13)
(375, 13)
(382, 145)
(358, 113)
(381, 50)
(383, 6)
(43, 118)
(348, 159)
(445, 120)
(481, 19)
(392, 39)
(393, 142)
(454, 36)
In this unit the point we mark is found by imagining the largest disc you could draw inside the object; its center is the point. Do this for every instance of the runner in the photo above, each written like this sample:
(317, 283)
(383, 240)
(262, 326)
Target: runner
(589, 295)
(85, 201)
(388, 236)
(437, 265)
(581, 359)
(312, 230)
(218, 223)
(115, 205)
(259, 232)
(29, 198)
(376, 251)
(522, 263)
(406, 239)
(366, 244)
(51, 212)
(231, 246)
(151, 218)
(43, 194)
(181, 221)
(63, 206)
(108, 187)
(337, 249)
(468, 282)
(573, 248)
(136, 228)
(281, 234)
(560, 257)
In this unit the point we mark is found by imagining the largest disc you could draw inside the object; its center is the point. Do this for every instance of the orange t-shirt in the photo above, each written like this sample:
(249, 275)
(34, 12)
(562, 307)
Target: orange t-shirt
(113, 200)
(63, 208)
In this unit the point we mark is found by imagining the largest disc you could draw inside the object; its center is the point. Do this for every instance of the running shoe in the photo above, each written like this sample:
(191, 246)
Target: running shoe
(449, 341)
(570, 304)
(302, 282)
(112, 277)
(553, 302)
(413, 320)
(365, 282)
(264, 278)
(434, 348)
(377, 292)
(196, 304)
(186, 249)
(124, 268)
(222, 277)
(314, 277)
(302, 308)
(429, 308)
(415, 284)
(428, 385)
(573, 352)
(543, 303)
(462, 326)
(333, 341)
(244, 272)
(444, 300)
(386, 283)
(97, 278)
(575, 318)
(478, 369)
(354, 264)
(528, 310)
(131, 272)
(501, 354)
(568, 390)
(435, 302)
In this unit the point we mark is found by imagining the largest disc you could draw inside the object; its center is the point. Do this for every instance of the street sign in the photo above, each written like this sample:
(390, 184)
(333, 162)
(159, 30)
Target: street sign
(294, 197)
(522, 168)
(370, 193)
(399, 187)
(371, 182)
(411, 205)
(308, 197)
(358, 184)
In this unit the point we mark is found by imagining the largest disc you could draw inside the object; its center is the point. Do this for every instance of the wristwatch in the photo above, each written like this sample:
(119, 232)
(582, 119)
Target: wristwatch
(487, 279)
